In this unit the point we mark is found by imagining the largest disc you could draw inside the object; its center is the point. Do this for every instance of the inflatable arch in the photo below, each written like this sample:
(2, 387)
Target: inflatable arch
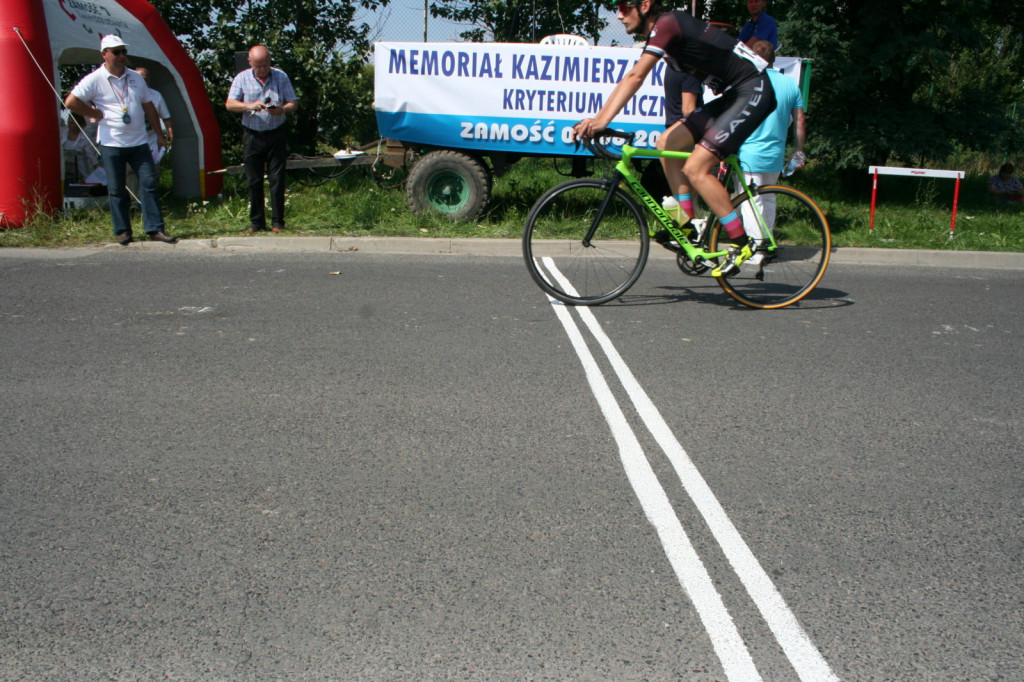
(36, 36)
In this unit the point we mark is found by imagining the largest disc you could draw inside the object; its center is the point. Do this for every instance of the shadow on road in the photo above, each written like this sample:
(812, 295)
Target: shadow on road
(820, 298)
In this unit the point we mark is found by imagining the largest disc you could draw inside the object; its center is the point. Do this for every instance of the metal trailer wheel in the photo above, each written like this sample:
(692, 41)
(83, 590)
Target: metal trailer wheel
(452, 183)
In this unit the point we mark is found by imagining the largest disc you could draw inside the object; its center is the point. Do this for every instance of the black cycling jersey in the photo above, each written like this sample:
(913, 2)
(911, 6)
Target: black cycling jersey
(701, 50)
(728, 67)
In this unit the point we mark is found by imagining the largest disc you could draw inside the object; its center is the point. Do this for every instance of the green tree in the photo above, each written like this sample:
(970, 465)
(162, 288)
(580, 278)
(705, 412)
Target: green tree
(984, 85)
(907, 81)
(522, 21)
(316, 42)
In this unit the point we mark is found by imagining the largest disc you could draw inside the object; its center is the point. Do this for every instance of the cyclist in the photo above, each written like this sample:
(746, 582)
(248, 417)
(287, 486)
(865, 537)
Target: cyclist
(729, 68)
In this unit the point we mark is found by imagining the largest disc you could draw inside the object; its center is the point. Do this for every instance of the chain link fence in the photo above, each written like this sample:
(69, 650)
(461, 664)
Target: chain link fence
(403, 21)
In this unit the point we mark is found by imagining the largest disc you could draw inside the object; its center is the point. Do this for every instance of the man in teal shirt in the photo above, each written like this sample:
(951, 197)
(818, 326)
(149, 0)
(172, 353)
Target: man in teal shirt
(763, 154)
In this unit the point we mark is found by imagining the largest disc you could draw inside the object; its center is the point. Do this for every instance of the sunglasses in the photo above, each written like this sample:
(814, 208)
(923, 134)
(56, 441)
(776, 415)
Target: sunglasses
(118, 51)
(624, 7)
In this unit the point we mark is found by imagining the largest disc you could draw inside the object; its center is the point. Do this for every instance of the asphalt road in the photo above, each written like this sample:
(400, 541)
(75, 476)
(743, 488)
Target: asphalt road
(357, 466)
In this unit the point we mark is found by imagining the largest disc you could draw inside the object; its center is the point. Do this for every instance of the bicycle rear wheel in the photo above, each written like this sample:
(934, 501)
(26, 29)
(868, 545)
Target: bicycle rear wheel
(579, 272)
(777, 279)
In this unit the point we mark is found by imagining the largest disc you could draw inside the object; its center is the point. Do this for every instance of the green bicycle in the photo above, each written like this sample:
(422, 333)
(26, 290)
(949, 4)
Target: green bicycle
(586, 241)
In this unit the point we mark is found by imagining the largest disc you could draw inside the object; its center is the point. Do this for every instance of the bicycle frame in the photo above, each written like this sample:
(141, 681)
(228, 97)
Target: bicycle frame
(790, 245)
(694, 253)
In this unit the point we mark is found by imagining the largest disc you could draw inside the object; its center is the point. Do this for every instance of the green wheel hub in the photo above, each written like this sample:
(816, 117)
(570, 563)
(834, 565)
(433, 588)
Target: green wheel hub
(447, 191)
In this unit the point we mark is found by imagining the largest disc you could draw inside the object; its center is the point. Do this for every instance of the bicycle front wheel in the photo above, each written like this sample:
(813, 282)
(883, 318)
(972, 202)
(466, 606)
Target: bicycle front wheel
(776, 279)
(568, 266)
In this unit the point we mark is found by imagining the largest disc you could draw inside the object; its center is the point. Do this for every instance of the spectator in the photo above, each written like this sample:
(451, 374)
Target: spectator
(683, 94)
(165, 116)
(119, 99)
(763, 154)
(80, 157)
(760, 25)
(263, 95)
(1006, 187)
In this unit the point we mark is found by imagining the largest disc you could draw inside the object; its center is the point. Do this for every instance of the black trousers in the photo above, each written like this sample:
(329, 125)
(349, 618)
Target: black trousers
(265, 152)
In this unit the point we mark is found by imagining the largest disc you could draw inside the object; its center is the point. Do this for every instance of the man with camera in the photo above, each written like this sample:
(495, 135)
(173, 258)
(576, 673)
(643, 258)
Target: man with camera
(263, 95)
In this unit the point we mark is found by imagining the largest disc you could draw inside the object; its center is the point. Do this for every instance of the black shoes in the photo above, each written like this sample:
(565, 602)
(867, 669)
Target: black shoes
(161, 236)
(125, 238)
(665, 238)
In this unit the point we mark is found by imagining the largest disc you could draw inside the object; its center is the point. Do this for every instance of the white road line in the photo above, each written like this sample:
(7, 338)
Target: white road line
(725, 638)
(807, 661)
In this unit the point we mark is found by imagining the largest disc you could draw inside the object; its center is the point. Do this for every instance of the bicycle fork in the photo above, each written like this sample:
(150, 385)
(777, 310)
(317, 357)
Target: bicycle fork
(613, 184)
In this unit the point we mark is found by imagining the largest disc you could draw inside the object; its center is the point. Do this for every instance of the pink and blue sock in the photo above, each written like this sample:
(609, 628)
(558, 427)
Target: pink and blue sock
(734, 227)
(686, 203)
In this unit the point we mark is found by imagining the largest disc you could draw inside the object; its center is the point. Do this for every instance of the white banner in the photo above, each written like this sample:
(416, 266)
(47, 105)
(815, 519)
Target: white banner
(516, 97)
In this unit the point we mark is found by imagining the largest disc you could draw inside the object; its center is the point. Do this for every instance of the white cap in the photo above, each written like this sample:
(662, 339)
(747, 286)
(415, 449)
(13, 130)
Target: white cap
(110, 41)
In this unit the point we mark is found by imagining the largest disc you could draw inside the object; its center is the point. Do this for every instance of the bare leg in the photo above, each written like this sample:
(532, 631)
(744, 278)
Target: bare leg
(677, 138)
(698, 174)
(716, 196)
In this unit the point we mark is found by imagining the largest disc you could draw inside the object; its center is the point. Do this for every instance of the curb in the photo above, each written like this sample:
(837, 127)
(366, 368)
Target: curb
(994, 260)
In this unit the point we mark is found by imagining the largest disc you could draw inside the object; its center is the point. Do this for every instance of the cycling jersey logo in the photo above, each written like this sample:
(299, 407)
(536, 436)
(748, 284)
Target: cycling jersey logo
(744, 115)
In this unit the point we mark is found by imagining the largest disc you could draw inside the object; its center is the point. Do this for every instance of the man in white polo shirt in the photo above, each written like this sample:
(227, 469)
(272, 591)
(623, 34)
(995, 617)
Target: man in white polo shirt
(119, 99)
(165, 116)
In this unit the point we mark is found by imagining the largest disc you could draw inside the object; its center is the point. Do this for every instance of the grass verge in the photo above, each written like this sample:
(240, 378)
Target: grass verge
(910, 214)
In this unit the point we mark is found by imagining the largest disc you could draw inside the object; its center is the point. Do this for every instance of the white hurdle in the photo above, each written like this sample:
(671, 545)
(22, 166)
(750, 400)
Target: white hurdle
(917, 173)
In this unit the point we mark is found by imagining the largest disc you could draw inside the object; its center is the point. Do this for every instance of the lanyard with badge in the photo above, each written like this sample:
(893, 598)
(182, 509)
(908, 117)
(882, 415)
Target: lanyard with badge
(122, 99)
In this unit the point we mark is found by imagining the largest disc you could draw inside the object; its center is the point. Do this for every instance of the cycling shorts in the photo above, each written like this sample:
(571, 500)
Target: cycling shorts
(723, 124)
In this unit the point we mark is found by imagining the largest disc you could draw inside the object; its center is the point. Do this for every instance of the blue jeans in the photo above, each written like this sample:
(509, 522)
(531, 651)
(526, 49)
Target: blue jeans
(115, 163)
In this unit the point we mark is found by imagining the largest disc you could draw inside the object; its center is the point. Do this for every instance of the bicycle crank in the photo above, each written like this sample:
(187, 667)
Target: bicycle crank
(689, 267)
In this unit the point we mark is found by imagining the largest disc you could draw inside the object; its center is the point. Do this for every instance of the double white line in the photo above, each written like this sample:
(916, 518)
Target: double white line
(806, 660)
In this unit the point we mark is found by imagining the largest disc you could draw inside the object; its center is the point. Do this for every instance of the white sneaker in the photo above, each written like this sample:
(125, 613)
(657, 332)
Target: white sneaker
(699, 224)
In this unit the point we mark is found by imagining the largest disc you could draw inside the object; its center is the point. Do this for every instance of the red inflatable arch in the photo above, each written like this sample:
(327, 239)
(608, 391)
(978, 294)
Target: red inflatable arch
(38, 35)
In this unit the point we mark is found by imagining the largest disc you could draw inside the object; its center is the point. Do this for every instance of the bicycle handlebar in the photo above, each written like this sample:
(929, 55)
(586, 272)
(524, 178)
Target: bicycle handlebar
(598, 148)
